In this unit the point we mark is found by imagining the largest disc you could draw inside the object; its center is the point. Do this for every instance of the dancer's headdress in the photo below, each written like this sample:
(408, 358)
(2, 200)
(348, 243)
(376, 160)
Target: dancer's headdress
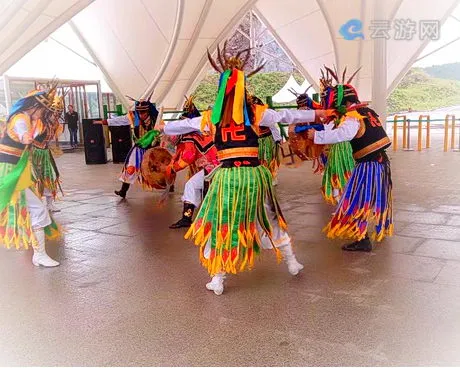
(231, 66)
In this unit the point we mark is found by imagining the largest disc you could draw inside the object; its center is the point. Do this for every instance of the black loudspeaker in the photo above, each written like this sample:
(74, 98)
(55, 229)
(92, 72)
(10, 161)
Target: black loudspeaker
(93, 138)
(121, 142)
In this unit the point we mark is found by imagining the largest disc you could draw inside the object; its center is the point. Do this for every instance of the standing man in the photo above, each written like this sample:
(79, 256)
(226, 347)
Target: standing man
(71, 118)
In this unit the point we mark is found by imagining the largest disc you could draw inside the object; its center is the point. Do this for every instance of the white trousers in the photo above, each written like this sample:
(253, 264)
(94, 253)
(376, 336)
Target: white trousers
(193, 190)
(39, 215)
(47, 192)
(280, 237)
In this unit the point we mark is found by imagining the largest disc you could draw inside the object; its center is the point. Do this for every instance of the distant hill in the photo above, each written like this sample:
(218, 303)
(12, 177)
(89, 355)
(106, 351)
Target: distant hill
(420, 91)
(445, 71)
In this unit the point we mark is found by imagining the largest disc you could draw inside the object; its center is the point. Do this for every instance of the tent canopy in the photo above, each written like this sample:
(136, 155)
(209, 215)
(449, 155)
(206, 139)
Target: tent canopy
(160, 45)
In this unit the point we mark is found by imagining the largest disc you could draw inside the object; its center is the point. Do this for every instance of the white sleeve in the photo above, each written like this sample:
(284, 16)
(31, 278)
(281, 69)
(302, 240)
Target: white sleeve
(286, 116)
(119, 121)
(345, 132)
(183, 126)
(329, 126)
(276, 133)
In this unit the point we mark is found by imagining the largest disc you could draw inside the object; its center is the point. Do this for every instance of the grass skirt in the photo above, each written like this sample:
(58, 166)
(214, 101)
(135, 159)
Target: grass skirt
(340, 164)
(229, 215)
(15, 221)
(367, 197)
(269, 154)
(45, 172)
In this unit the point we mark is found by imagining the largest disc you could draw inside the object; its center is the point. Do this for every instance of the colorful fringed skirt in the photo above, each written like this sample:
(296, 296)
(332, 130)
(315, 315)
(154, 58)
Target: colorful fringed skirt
(340, 164)
(15, 219)
(269, 155)
(231, 216)
(131, 172)
(15, 223)
(45, 171)
(367, 198)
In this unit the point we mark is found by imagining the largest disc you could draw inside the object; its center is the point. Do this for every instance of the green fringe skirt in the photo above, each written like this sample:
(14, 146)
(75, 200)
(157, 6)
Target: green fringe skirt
(229, 215)
(269, 154)
(45, 171)
(340, 164)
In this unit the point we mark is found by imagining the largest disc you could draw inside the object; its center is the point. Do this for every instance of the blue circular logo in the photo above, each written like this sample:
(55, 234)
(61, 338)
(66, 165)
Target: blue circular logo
(352, 30)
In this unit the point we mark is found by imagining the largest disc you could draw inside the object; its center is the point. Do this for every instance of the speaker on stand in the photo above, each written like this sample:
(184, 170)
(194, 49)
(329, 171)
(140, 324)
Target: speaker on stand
(93, 138)
(121, 142)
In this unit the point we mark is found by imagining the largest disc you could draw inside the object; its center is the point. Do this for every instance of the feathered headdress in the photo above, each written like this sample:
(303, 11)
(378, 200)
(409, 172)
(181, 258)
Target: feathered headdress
(335, 96)
(303, 100)
(190, 110)
(232, 79)
(144, 105)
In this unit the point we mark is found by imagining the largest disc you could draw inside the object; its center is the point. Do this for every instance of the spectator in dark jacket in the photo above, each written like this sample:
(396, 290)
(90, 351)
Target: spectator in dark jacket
(71, 118)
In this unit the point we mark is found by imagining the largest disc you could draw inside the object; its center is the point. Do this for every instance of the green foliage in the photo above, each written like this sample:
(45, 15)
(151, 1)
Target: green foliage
(418, 91)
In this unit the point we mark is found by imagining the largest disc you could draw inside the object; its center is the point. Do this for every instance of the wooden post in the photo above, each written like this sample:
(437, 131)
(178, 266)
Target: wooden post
(405, 133)
(446, 131)
(419, 139)
(395, 133)
(452, 139)
(420, 131)
(428, 132)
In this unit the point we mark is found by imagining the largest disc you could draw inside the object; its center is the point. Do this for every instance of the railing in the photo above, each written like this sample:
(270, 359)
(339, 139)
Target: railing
(449, 128)
(450, 120)
(420, 131)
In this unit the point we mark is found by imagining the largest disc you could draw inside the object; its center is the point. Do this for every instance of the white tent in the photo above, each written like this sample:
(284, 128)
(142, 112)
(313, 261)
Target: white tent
(284, 95)
(160, 45)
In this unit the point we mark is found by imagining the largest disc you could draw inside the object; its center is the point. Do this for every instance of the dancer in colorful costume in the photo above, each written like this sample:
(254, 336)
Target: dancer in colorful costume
(340, 162)
(240, 212)
(24, 219)
(143, 118)
(368, 194)
(197, 149)
(46, 173)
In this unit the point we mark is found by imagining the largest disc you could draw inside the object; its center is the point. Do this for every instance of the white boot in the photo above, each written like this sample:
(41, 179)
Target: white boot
(294, 267)
(50, 204)
(40, 258)
(217, 283)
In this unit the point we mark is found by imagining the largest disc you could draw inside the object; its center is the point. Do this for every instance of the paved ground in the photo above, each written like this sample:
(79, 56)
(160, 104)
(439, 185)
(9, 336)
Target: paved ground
(131, 292)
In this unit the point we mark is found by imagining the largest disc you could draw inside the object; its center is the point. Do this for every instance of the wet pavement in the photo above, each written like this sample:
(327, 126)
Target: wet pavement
(130, 291)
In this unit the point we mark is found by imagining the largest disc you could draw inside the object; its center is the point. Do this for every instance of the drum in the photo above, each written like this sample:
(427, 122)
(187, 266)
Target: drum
(153, 167)
(303, 147)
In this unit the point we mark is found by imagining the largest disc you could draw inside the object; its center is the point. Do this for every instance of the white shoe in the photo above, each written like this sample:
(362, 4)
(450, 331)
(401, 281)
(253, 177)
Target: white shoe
(50, 204)
(40, 257)
(294, 267)
(217, 283)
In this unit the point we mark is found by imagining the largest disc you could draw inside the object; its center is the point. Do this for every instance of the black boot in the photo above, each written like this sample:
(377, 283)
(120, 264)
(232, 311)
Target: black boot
(363, 245)
(186, 219)
(123, 190)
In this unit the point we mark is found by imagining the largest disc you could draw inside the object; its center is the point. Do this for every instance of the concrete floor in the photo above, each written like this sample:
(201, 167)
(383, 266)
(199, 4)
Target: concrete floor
(131, 292)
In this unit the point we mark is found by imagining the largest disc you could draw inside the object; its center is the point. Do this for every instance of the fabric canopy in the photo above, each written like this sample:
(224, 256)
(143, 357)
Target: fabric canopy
(160, 45)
